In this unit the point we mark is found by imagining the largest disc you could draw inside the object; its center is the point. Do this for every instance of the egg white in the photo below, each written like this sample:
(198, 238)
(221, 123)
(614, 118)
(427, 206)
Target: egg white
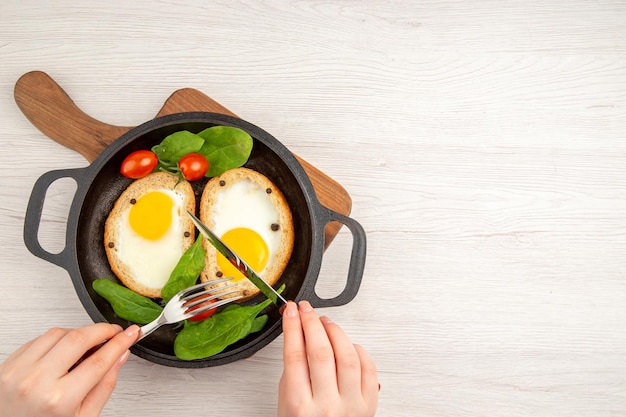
(151, 262)
(246, 204)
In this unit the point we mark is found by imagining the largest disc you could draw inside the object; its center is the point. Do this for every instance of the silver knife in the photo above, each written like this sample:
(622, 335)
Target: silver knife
(238, 262)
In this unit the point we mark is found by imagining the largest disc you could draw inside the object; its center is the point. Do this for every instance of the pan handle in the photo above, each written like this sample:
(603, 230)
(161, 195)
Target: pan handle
(35, 208)
(357, 262)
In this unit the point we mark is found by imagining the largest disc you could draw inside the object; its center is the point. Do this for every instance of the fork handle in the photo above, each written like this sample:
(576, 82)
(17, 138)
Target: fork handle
(146, 329)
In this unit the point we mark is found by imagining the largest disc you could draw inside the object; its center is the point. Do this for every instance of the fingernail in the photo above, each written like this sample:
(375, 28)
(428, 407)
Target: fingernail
(326, 320)
(117, 328)
(282, 308)
(290, 309)
(132, 331)
(305, 306)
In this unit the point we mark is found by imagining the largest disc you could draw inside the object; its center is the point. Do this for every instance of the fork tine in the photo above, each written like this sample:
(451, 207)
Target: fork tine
(188, 314)
(190, 297)
(217, 280)
(176, 310)
(215, 291)
(195, 301)
(201, 285)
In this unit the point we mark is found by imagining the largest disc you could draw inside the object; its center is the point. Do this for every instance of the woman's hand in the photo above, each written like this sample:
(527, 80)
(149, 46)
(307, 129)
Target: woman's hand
(34, 380)
(324, 373)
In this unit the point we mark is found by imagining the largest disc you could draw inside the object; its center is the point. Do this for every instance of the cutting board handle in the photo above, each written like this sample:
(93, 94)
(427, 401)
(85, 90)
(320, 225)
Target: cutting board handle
(54, 113)
(51, 110)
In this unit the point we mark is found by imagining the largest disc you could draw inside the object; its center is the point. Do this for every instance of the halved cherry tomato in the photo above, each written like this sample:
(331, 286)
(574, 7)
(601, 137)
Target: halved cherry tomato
(138, 164)
(193, 166)
(205, 314)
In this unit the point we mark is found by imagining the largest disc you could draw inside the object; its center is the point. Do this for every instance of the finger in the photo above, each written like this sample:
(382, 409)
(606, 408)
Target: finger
(296, 367)
(35, 349)
(369, 377)
(347, 360)
(26, 360)
(24, 369)
(71, 347)
(93, 369)
(320, 353)
(18, 353)
(97, 398)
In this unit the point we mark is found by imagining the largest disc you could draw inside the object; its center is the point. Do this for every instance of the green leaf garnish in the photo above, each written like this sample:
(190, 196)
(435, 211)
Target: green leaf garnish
(225, 148)
(126, 303)
(177, 145)
(185, 273)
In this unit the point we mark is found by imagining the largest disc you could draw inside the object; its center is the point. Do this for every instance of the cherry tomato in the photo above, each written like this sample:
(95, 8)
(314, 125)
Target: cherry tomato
(193, 166)
(205, 314)
(138, 164)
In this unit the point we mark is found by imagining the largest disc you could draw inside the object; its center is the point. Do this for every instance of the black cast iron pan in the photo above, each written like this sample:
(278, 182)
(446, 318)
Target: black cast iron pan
(100, 184)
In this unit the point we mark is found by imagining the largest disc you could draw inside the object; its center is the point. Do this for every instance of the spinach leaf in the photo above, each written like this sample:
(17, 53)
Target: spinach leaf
(225, 148)
(213, 335)
(175, 146)
(186, 272)
(126, 303)
(258, 323)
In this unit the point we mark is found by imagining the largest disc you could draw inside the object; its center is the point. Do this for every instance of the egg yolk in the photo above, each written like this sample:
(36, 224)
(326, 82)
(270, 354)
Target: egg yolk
(249, 245)
(151, 215)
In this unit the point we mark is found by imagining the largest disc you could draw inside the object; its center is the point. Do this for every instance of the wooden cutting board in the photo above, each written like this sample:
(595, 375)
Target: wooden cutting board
(55, 114)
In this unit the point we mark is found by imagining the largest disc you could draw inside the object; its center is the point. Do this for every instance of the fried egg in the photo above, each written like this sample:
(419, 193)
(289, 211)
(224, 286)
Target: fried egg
(148, 232)
(250, 214)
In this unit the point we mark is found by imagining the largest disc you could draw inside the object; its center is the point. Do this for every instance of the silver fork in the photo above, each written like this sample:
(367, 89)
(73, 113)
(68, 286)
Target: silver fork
(180, 306)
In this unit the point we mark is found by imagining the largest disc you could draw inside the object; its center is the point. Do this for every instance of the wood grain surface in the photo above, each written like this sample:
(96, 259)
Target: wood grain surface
(482, 143)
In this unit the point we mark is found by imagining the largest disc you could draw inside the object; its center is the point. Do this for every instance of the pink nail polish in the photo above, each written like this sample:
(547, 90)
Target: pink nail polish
(291, 310)
(305, 306)
(132, 331)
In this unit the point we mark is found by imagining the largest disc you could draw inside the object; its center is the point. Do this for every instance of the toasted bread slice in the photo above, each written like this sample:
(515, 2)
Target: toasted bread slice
(276, 223)
(142, 262)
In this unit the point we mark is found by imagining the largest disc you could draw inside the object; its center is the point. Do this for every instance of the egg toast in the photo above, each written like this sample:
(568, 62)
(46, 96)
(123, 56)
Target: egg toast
(251, 215)
(148, 230)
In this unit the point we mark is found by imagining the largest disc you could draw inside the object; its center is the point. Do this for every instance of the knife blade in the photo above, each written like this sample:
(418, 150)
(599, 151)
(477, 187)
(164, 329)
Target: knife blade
(238, 263)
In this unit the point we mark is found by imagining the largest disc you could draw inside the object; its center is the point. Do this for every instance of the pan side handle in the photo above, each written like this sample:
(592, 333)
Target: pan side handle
(356, 267)
(33, 215)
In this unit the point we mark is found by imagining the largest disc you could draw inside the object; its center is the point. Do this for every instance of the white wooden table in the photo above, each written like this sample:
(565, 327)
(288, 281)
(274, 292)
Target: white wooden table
(483, 144)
